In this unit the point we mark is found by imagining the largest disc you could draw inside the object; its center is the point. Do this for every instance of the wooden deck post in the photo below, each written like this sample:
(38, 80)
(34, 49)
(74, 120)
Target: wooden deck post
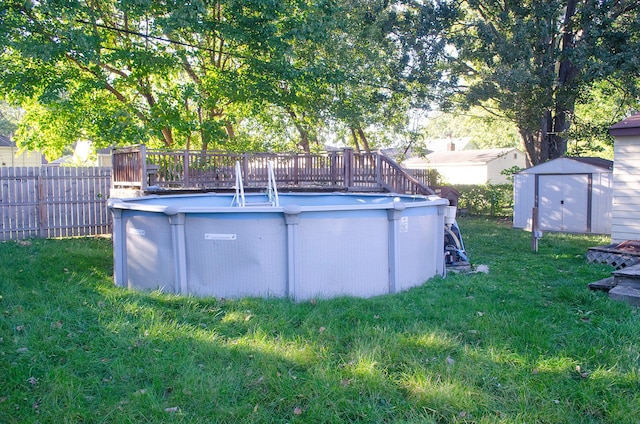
(185, 170)
(348, 168)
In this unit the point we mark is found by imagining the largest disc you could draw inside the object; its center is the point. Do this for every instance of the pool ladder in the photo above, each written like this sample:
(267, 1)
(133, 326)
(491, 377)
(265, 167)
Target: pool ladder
(272, 190)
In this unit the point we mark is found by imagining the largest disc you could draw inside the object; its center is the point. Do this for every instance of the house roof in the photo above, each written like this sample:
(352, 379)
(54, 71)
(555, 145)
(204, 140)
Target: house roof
(472, 157)
(629, 126)
(6, 141)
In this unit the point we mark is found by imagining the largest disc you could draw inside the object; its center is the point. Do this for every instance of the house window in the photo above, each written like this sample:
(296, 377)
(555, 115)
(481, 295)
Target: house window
(515, 156)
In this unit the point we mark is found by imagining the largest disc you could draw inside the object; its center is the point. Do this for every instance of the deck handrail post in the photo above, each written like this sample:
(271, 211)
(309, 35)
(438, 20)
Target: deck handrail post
(142, 158)
(245, 168)
(185, 166)
(379, 181)
(348, 168)
(333, 163)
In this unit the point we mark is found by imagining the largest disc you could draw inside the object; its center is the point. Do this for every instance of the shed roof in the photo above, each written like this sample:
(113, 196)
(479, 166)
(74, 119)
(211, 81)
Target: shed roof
(569, 164)
(599, 162)
(629, 126)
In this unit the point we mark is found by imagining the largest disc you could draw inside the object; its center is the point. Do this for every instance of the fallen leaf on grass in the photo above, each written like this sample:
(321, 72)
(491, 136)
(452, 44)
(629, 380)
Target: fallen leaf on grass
(450, 360)
(172, 409)
(321, 330)
(297, 410)
(22, 350)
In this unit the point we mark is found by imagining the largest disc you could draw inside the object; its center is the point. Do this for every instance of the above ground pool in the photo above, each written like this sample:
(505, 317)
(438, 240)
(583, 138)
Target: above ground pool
(302, 246)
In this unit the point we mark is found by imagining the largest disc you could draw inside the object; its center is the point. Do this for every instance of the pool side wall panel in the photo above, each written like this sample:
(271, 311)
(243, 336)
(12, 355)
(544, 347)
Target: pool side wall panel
(342, 253)
(148, 251)
(420, 242)
(300, 252)
(236, 255)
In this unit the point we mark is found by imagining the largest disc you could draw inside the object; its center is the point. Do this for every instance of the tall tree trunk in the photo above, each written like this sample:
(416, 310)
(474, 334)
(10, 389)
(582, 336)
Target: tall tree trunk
(304, 134)
(167, 134)
(363, 138)
(355, 140)
(231, 133)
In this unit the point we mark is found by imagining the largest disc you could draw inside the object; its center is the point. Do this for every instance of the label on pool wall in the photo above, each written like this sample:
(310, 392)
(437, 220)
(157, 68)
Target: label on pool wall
(136, 231)
(211, 236)
(403, 226)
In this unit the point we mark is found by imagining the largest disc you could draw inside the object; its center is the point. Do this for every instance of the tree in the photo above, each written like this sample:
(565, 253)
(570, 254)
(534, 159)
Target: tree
(533, 60)
(212, 74)
(181, 73)
(9, 118)
(484, 129)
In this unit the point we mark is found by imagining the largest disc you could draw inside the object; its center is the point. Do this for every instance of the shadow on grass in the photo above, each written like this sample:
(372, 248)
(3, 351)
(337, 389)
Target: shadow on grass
(521, 344)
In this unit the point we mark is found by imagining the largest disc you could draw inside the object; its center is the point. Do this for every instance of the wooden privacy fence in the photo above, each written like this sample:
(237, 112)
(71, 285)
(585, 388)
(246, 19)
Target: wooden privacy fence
(54, 202)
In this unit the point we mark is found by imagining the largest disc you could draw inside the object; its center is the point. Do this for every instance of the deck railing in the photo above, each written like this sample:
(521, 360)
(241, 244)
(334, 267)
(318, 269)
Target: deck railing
(145, 169)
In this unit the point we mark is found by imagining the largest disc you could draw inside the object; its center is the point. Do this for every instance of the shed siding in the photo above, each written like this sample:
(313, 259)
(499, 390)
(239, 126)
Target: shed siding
(601, 180)
(523, 200)
(626, 198)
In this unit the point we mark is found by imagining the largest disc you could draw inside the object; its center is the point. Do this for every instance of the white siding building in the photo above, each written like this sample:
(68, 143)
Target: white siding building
(625, 223)
(11, 156)
(471, 166)
(571, 194)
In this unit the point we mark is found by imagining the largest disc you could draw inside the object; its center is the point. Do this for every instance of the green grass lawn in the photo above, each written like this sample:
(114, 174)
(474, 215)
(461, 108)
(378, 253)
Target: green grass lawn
(526, 343)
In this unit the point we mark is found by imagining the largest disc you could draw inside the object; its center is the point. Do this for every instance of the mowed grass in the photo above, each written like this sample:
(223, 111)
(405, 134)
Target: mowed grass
(525, 343)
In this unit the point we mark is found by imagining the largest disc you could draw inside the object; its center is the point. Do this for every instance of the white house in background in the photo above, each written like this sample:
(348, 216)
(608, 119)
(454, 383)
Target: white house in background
(449, 143)
(11, 157)
(471, 166)
(625, 217)
(571, 194)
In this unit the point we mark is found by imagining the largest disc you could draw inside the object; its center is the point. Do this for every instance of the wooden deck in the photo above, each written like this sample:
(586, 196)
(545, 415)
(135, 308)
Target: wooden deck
(618, 255)
(187, 171)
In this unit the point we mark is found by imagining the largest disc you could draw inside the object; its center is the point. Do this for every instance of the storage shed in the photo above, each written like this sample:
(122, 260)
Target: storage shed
(572, 195)
(625, 224)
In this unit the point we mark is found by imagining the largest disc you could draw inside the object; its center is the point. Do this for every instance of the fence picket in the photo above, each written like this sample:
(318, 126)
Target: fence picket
(54, 202)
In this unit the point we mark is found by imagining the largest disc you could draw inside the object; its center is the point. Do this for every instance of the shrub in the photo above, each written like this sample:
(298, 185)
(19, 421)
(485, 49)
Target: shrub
(494, 200)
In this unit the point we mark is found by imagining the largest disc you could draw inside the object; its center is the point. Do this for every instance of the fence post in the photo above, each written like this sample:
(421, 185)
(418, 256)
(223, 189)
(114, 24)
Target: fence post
(42, 205)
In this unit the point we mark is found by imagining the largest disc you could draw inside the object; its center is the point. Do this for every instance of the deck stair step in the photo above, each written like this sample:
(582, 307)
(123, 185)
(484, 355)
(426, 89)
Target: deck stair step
(604, 285)
(629, 276)
(627, 285)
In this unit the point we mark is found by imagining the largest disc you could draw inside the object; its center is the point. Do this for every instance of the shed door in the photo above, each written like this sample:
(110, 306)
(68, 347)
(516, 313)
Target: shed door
(563, 202)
